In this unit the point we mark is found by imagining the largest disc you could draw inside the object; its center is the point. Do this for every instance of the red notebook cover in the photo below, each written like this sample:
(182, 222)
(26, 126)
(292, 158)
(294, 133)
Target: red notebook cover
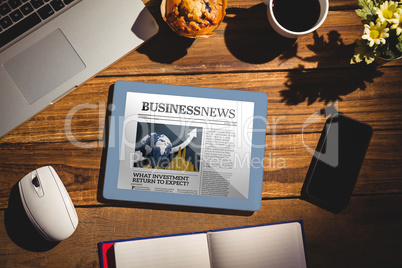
(107, 255)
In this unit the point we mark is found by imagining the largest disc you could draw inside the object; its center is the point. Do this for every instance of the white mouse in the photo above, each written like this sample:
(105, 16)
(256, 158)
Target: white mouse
(47, 204)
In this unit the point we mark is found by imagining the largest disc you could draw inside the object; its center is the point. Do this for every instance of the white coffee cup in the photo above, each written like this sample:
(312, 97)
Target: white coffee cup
(324, 6)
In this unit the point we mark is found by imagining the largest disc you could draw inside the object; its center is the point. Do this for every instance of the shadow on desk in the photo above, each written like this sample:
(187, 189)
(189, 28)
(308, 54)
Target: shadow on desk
(325, 85)
(254, 41)
(153, 206)
(173, 48)
(20, 229)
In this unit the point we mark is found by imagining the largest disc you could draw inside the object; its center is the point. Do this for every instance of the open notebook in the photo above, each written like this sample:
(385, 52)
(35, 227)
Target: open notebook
(273, 245)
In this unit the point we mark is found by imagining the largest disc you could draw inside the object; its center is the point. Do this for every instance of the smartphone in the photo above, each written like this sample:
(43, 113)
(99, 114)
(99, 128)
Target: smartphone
(336, 163)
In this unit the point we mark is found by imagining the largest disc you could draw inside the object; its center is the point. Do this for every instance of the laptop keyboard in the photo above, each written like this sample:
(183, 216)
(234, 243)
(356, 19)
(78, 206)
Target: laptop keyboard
(19, 16)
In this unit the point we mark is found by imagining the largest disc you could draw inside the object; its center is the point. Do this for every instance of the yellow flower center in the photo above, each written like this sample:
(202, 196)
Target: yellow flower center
(387, 14)
(374, 34)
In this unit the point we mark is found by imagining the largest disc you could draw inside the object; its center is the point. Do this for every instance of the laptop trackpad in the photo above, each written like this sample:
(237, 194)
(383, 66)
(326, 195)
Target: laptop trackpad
(44, 66)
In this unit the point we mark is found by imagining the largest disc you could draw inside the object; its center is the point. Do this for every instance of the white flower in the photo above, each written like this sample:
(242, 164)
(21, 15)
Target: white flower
(375, 33)
(397, 22)
(386, 11)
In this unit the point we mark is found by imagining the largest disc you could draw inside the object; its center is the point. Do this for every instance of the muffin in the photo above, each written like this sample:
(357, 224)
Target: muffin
(193, 18)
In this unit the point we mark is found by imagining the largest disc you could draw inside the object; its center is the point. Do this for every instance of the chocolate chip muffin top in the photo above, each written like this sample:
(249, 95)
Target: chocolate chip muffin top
(192, 18)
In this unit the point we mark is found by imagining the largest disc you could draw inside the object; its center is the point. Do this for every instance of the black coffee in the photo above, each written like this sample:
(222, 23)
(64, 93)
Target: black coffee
(296, 15)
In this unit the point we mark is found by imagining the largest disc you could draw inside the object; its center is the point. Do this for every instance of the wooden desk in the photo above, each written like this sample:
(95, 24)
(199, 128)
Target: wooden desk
(300, 77)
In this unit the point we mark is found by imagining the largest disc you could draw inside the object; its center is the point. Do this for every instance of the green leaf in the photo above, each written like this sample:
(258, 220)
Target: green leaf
(399, 45)
(367, 9)
(389, 54)
(363, 52)
(361, 13)
(362, 3)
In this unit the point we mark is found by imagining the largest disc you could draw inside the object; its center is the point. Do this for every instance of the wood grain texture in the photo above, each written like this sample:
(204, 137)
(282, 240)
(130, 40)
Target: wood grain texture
(245, 42)
(301, 77)
(285, 166)
(372, 96)
(366, 234)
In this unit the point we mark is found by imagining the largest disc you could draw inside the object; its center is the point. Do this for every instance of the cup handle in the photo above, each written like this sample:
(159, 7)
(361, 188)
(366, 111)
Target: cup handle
(265, 2)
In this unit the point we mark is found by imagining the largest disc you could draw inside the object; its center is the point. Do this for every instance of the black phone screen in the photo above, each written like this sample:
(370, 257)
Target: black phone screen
(337, 161)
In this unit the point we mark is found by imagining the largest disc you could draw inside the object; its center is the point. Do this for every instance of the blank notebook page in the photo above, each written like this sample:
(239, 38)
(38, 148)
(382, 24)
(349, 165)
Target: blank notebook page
(172, 251)
(279, 245)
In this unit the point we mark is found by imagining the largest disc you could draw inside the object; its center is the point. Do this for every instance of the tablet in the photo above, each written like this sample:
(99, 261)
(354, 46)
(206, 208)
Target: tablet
(184, 145)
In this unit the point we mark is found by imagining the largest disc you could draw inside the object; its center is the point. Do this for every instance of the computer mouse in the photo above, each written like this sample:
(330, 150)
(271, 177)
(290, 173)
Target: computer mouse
(48, 204)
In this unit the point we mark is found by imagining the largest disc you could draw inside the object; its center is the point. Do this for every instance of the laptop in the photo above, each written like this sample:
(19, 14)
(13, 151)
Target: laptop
(63, 44)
